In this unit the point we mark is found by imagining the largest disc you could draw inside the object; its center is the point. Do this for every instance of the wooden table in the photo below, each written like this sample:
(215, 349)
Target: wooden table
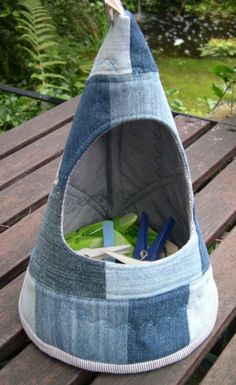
(29, 157)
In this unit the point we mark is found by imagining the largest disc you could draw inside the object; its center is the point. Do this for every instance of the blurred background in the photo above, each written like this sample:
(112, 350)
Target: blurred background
(48, 46)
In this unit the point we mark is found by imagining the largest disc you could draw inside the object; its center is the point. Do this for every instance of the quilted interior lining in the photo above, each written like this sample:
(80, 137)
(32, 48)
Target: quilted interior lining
(133, 168)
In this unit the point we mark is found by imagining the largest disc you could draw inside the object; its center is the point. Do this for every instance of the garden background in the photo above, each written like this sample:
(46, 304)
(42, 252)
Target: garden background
(49, 46)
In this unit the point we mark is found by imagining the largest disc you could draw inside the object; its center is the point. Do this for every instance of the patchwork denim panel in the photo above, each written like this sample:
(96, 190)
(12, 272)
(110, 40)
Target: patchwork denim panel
(202, 304)
(141, 57)
(28, 299)
(92, 115)
(112, 315)
(55, 265)
(139, 97)
(117, 41)
(156, 278)
(205, 258)
(158, 325)
(94, 330)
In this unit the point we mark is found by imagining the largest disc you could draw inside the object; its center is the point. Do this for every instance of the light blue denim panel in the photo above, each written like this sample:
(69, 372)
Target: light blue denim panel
(130, 281)
(205, 258)
(158, 326)
(28, 300)
(113, 57)
(91, 119)
(95, 330)
(139, 96)
(124, 50)
(202, 305)
(55, 265)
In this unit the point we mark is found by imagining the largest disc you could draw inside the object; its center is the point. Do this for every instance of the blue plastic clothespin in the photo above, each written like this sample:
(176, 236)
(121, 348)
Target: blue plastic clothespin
(108, 234)
(151, 253)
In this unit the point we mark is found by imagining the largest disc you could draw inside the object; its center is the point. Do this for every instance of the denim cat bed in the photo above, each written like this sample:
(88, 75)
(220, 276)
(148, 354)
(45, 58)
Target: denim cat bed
(123, 154)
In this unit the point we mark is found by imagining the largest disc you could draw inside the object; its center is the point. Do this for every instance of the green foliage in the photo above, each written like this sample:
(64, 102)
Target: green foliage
(203, 7)
(212, 7)
(11, 60)
(226, 73)
(131, 5)
(228, 76)
(38, 32)
(14, 110)
(219, 48)
(83, 21)
(79, 61)
(50, 45)
(175, 103)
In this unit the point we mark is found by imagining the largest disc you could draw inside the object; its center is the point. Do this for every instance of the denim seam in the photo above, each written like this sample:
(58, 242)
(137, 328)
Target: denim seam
(54, 291)
(126, 78)
(70, 297)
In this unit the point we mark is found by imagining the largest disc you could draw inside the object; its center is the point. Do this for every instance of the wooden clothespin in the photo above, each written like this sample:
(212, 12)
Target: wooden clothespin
(111, 6)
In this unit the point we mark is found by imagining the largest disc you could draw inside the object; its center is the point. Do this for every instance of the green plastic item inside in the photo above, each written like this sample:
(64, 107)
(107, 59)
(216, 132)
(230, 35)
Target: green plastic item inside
(125, 229)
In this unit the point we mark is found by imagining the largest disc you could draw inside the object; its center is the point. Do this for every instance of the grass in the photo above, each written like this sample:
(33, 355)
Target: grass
(192, 77)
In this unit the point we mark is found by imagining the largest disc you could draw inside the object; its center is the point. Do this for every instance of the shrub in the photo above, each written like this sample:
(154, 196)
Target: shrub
(219, 47)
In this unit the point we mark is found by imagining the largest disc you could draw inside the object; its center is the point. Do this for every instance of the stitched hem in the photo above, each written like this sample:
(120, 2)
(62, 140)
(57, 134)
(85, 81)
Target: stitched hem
(117, 368)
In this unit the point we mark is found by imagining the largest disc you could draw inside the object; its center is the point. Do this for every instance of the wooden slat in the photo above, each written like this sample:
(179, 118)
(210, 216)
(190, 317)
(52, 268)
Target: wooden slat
(37, 127)
(16, 247)
(223, 372)
(216, 203)
(177, 374)
(26, 194)
(190, 128)
(207, 155)
(11, 333)
(31, 367)
(33, 156)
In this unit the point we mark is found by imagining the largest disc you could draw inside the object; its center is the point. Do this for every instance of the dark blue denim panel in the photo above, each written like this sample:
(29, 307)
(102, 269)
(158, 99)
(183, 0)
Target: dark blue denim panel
(158, 326)
(141, 57)
(90, 329)
(91, 118)
(201, 243)
(56, 266)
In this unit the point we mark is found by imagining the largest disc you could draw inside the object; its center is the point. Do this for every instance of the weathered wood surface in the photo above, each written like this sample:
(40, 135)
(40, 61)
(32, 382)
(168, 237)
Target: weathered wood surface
(210, 152)
(37, 127)
(11, 333)
(27, 194)
(218, 375)
(27, 171)
(16, 247)
(35, 368)
(216, 203)
(190, 128)
(31, 157)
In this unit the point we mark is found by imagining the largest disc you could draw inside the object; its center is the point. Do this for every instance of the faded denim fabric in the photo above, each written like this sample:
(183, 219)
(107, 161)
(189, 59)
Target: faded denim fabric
(201, 243)
(158, 278)
(55, 265)
(91, 119)
(141, 57)
(203, 299)
(159, 325)
(95, 330)
(123, 154)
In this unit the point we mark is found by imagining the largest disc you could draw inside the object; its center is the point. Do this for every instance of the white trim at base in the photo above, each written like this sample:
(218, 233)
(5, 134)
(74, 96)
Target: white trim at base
(117, 368)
